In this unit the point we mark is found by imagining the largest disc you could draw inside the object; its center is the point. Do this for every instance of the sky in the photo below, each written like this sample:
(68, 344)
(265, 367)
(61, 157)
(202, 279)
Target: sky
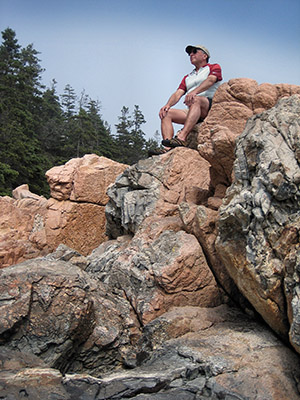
(132, 52)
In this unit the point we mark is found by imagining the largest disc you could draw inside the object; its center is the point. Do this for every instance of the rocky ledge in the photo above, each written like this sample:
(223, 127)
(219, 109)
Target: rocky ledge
(186, 299)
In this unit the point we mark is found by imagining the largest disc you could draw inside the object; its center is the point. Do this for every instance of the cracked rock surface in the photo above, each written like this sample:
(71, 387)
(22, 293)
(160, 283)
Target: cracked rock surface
(258, 238)
(189, 353)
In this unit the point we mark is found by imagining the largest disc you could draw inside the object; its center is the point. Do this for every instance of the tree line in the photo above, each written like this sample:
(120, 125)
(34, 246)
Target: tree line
(40, 129)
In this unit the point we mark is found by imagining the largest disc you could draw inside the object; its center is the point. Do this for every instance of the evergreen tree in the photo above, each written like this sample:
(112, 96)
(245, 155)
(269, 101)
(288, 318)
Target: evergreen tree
(69, 101)
(39, 129)
(122, 139)
(69, 143)
(21, 156)
(138, 136)
(104, 144)
(153, 143)
(130, 137)
(84, 136)
(84, 131)
(51, 133)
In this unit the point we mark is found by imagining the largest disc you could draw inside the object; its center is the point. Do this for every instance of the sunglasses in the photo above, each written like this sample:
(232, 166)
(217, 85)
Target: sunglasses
(194, 51)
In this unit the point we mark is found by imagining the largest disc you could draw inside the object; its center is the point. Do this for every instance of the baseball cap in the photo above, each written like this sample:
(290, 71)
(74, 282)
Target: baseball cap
(190, 47)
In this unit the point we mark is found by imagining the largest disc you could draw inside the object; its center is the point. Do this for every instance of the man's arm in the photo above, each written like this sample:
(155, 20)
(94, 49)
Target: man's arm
(175, 97)
(209, 81)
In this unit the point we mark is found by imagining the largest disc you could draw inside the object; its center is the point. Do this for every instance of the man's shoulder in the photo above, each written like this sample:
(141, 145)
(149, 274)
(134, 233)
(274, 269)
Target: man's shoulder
(214, 65)
(215, 70)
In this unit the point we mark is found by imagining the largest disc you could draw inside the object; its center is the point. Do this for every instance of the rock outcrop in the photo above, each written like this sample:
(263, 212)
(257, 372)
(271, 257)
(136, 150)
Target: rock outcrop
(159, 265)
(259, 222)
(188, 353)
(31, 225)
(22, 232)
(52, 309)
(154, 312)
(234, 102)
(66, 333)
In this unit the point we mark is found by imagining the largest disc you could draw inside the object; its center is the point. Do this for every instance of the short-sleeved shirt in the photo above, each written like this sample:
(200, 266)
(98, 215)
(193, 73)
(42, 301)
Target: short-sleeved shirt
(195, 78)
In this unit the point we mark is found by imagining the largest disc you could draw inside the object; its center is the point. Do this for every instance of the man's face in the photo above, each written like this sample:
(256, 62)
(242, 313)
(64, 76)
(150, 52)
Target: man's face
(197, 56)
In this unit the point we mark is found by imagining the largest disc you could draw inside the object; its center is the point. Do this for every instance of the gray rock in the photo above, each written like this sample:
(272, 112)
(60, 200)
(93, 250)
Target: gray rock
(54, 310)
(157, 274)
(223, 354)
(132, 197)
(45, 309)
(259, 221)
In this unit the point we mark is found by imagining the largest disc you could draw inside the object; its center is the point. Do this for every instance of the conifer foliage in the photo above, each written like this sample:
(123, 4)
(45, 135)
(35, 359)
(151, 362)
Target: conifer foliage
(21, 156)
(130, 138)
(40, 129)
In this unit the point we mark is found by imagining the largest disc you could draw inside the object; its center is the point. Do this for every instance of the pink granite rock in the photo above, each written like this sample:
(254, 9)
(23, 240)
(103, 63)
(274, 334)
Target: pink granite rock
(31, 226)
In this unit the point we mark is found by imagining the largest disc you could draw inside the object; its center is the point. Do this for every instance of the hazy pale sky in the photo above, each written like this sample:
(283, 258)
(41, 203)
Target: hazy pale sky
(127, 52)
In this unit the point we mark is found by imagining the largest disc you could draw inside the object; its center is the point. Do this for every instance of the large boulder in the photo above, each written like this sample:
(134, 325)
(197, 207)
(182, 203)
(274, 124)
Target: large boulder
(155, 187)
(22, 233)
(46, 311)
(76, 209)
(258, 238)
(155, 262)
(154, 275)
(234, 103)
(52, 309)
(84, 179)
(31, 226)
(169, 193)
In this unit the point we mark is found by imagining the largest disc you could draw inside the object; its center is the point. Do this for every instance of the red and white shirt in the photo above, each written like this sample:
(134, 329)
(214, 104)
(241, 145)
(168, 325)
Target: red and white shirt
(195, 78)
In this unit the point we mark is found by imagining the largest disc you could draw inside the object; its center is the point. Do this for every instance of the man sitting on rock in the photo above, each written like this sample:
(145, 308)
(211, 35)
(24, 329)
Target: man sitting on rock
(199, 87)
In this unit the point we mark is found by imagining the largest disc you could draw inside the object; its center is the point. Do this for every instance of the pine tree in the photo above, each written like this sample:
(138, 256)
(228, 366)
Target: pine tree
(122, 137)
(69, 144)
(130, 137)
(39, 129)
(20, 151)
(84, 136)
(84, 131)
(51, 132)
(104, 144)
(69, 101)
(153, 143)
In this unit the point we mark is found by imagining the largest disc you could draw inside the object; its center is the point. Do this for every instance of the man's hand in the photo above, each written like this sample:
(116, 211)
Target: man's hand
(175, 97)
(189, 99)
(163, 111)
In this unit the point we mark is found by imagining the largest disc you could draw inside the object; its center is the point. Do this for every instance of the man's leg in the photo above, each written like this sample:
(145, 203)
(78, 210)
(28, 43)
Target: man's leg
(199, 108)
(173, 115)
